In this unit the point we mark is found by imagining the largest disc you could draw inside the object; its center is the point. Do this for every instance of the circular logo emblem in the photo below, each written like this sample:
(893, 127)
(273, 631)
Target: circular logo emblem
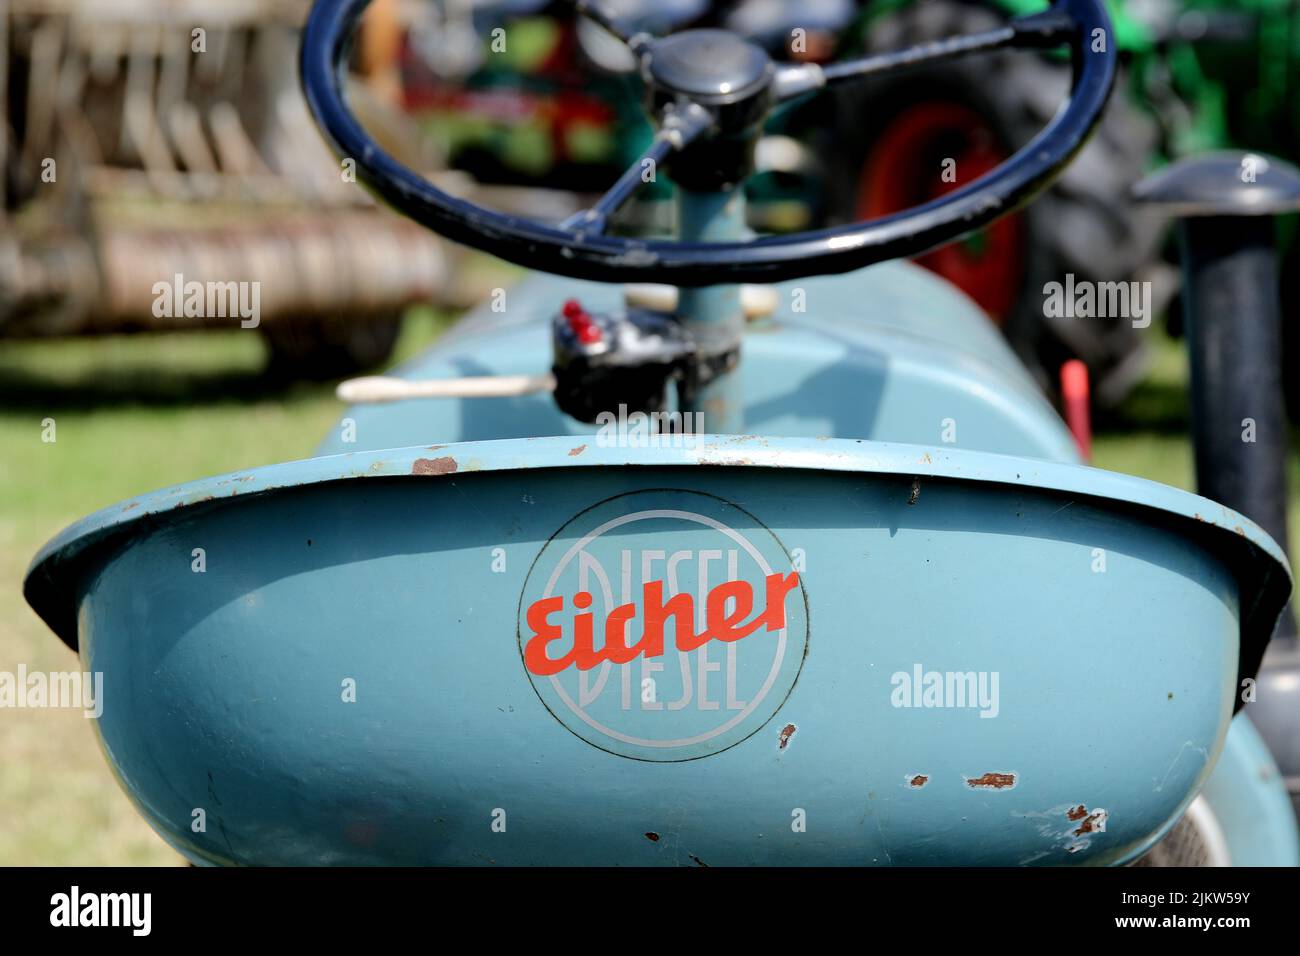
(663, 625)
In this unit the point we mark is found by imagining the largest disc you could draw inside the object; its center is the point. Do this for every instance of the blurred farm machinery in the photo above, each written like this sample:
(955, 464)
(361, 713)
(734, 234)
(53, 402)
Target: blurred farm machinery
(161, 141)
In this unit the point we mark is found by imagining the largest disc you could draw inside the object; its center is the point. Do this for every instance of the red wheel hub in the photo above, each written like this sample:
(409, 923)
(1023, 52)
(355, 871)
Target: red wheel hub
(906, 168)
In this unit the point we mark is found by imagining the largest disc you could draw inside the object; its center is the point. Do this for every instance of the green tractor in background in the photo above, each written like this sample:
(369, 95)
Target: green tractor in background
(1197, 75)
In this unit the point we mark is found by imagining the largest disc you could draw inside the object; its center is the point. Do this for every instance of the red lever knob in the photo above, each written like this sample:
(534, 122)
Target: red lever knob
(581, 322)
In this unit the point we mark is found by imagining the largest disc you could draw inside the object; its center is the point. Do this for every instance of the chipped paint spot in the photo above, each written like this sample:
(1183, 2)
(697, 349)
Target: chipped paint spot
(434, 466)
(786, 733)
(992, 781)
(698, 861)
(919, 781)
(575, 452)
(1095, 822)
(652, 836)
(916, 491)
(1070, 838)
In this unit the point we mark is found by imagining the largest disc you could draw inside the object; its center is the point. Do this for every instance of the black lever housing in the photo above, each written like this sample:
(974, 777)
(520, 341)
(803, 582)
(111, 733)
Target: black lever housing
(610, 360)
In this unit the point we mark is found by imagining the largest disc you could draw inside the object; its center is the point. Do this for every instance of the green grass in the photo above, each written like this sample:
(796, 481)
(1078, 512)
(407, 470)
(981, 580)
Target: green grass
(1148, 434)
(131, 414)
(134, 414)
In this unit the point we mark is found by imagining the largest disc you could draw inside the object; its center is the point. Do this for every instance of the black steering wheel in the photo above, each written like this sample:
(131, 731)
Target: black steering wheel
(708, 92)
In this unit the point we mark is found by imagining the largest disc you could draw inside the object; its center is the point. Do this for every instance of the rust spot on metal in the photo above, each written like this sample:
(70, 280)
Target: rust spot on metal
(434, 466)
(925, 459)
(575, 452)
(134, 504)
(1078, 813)
(435, 447)
(1095, 822)
(916, 491)
(920, 780)
(995, 781)
(652, 837)
(786, 733)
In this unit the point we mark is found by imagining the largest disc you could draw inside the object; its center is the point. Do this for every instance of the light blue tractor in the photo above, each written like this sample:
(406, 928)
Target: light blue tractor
(706, 550)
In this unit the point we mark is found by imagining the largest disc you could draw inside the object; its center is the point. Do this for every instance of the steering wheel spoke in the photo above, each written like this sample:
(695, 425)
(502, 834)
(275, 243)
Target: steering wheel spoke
(678, 129)
(1044, 30)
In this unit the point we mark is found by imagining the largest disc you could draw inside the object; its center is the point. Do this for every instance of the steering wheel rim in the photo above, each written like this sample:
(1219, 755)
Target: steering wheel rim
(326, 42)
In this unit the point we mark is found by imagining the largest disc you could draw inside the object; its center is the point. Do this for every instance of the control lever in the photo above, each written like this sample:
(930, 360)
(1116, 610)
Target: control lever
(607, 360)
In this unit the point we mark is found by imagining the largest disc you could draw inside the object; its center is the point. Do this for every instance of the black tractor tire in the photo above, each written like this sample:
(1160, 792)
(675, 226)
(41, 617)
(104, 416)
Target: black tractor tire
(1083, 224)
(320, 349)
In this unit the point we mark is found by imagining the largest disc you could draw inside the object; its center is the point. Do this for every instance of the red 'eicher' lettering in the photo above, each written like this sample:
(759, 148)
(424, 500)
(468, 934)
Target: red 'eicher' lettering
(680, 608)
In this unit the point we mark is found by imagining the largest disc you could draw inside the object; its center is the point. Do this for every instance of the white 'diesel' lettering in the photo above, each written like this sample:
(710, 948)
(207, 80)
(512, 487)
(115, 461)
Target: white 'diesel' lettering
(692, 666)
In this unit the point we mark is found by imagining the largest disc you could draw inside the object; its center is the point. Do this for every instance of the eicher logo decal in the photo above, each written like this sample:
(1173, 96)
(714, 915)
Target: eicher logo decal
(663, 625)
